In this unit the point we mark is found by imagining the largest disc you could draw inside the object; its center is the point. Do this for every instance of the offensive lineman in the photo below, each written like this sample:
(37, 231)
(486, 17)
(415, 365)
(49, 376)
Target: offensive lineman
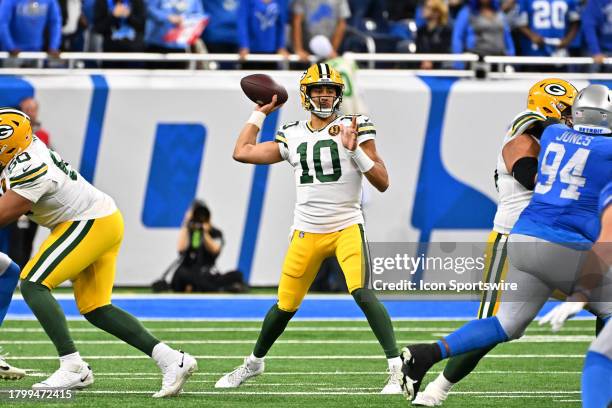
(86, 234)
(330, 153)
(517, 165)
(549, 241)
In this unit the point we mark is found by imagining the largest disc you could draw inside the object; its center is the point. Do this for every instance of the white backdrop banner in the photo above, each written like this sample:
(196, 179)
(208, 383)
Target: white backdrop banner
(155, 142)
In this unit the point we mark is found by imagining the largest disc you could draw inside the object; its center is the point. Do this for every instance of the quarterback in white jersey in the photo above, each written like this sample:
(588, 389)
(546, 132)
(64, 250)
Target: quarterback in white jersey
(330, 155)
(86, 235)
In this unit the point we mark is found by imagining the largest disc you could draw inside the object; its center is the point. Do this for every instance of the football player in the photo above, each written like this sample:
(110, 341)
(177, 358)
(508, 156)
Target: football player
(330, 154)
(597, 372)
(548, 242)
(86, 234)
(9, 276)
(517, 164)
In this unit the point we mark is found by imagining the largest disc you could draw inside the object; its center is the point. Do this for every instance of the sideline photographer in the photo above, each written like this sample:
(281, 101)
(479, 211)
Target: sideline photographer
(199, 246)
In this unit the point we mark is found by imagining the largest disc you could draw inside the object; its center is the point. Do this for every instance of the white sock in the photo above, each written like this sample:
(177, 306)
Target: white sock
(162, 353)
(442, 383)
(254, 362)
(395, 363)
(71, 359)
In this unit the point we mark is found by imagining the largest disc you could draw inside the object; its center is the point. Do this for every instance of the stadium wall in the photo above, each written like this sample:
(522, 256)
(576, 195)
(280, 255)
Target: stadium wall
(153, 142)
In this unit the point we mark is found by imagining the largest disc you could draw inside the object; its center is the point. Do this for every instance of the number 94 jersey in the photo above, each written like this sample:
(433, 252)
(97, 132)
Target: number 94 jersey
(574, 167)
(58, 192)
(328, 182)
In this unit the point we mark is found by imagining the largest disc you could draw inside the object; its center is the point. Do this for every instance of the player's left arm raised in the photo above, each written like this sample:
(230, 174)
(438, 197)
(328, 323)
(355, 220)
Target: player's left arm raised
(365, 156)
(13, 206)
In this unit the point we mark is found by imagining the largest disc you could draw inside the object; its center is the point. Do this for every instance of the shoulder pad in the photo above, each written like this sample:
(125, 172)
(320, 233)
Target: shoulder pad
(25, 168)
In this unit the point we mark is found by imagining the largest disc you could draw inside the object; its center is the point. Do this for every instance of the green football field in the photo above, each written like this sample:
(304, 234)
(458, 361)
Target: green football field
(314, 364)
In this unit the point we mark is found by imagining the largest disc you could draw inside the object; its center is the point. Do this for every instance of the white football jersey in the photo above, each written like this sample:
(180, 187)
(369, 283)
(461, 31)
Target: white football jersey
(512, 196)
(327, 180)
(58, 192)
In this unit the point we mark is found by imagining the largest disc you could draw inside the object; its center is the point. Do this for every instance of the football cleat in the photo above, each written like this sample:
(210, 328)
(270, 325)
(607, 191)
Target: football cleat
(394, 382)
(8, 372)
(418, 359)
(70, 376)
(239, 375)
(432, 396)
(175, 374)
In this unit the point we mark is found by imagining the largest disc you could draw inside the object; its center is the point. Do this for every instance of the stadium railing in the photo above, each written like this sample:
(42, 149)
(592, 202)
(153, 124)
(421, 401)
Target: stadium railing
(490, 66)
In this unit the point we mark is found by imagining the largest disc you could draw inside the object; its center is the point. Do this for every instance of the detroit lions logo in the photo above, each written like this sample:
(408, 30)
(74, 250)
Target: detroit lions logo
(6, 131)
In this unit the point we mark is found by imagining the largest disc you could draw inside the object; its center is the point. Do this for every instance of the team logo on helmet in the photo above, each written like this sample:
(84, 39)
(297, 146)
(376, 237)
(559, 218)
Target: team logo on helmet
(555, 89)
(334, 130)
(6, 131)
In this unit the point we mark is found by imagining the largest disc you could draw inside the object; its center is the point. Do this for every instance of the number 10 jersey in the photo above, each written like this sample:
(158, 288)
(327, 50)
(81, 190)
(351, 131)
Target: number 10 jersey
(328, 182)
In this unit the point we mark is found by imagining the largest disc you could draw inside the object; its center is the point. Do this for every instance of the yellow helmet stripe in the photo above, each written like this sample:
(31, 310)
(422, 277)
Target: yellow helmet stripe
(4, 111)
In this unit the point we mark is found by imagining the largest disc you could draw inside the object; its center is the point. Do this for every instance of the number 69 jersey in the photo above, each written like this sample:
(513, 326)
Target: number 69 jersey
(58, 192)
(328, 183)
(573, 169)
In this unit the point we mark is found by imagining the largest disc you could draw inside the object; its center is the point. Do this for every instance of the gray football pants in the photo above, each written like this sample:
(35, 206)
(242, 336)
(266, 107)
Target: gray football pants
(538, 267)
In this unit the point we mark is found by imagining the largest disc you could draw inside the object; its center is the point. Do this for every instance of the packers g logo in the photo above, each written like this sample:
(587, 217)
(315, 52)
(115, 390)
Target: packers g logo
(555, 89)
(6, 131)
(334, 130)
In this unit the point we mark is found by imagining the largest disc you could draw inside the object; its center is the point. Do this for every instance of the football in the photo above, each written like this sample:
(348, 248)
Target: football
(260, 88)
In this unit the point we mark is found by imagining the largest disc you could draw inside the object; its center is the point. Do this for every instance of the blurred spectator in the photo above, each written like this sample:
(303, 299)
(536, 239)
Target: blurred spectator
(122, 25)
(221, 34)
(481, 28)
(435, 36)
(23, 24)
(29, 106)
(597, 29)
(23, 231)
(74, 25)
(171, 26)
(548, 26)
(318, 17)
(261, 30)
(372, 11)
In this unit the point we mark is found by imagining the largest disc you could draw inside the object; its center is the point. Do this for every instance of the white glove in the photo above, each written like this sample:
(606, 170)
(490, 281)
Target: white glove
(560, 313)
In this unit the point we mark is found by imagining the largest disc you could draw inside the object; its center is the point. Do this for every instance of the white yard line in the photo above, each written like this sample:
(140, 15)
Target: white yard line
(525, 339)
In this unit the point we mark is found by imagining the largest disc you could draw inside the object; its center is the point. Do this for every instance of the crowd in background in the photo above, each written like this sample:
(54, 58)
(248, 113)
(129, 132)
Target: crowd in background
(243, 27)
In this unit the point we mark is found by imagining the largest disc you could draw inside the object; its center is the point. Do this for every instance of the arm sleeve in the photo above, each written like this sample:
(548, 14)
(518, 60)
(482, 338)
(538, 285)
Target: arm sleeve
(365, 129)
(54, 19)
(6, 14)
(283, 147)
(605, 198)
(344, 11)
(590, 17)
(243, 24)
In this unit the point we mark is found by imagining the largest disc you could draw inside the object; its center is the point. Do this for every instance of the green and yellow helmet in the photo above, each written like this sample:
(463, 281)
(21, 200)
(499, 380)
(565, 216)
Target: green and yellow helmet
(320, 74)
(15, 134)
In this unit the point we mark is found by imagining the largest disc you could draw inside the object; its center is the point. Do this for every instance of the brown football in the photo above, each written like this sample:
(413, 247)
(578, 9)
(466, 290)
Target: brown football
(260, 88)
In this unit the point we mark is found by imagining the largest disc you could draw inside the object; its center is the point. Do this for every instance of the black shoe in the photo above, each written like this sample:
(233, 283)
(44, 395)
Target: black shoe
(418, 359)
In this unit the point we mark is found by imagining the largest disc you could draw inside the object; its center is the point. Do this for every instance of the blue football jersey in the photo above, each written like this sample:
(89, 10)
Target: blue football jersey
(605, 198)
(574, 167)
(548, 18)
